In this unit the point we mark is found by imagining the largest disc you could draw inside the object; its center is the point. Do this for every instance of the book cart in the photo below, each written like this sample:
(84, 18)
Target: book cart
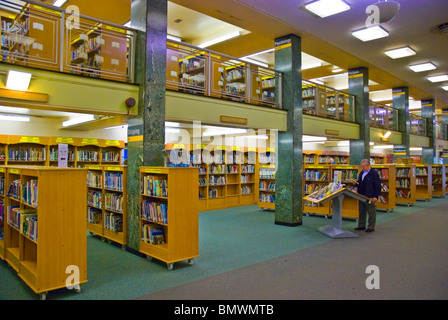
(438, 180)
(388, 197)
(169, 215)
(423, 182)
(45, 229)
(405, 184)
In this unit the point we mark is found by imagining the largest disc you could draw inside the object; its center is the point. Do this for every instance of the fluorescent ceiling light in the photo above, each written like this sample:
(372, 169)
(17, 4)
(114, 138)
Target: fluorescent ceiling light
(400, 53)
(220, 39)
(223, 131)
(261, 64)
(172, 124)
(443, 77)
(347, 144)
(416, 149)
(174, 38)
(258, 53)
(371, 33)
(414, 105)
(59, 3)
(325, 8)
(311, 65)
(445, 87)
(261, 137)
(9, 117)
(383, 147)
(72, 122)
(422, 67)
(387, 134)
(337, 70)
(18, 80)
(313, 138)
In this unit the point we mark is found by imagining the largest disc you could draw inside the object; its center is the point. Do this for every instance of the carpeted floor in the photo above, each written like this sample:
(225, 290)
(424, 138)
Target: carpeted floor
(243, 255)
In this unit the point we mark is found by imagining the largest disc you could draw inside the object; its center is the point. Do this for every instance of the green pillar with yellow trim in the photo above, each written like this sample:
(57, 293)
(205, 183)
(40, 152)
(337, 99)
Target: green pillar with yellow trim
(400, 101)
(428, 114)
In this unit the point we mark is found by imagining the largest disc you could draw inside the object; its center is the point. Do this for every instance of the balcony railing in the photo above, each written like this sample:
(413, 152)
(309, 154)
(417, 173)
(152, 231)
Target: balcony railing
(441, 131)
(320, 100)
(382, 116)
(194, 70)
(418, 125)
(46, 37)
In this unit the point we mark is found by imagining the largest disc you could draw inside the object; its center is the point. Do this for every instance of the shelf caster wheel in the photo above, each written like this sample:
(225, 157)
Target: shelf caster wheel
(409, 205)
(123, 247)
(109, 241)
(78, 289)
(190, 262)
(149, 258)
(170, 266)
(103, 239)
(43, 296)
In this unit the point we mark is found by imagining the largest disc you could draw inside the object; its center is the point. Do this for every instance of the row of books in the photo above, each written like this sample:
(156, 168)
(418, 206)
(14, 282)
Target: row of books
(235, 74)
(217, 169)
(421, 171)
(191, 64)
(308, 92)
(437, 170)
(113, 180)
(266, 173)
(383, 173)
(14, 190)
(344, 175)
(248, 169)
(154, 211)
(384, 187)
(420, 181)
(267, 186)
(268, 83)
(329, 189)
(113, 201)
(217, 180)
(437, 180)
(94, 215)
(29, 154)
(403, 194)
(246, 190)
(2, 219)
(94, 179)
(270, 198)
(316, 175)
(155, 186)
(153, 234)
(29, 192)
(54, 152)
(202, 182)
(403, 173)
(268, 158)
(246, 178)
(88, 156)
(402, 183)
(23, 220)
(113, 222)
(333, 159)
(214, 193)
(383, 199)
(311, 187)
(2, 185)
(109, 156)
(94, 198)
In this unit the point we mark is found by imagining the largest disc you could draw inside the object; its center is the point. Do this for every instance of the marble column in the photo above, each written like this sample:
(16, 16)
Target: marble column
(288, 182)
(146, 131)
(400, 101)
(358, 85)
(428, 113)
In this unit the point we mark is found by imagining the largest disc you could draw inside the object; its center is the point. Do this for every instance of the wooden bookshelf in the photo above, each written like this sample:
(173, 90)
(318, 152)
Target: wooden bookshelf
(423, 181)
(266, 176)
(248, 177)
(88, 152)
(2, 211)
(405, 184)
(387, 200)
(27, 150)
(54, 146)
(106, 202)
(438, 180)
(174, 199)
(316, 177)
(41, 258)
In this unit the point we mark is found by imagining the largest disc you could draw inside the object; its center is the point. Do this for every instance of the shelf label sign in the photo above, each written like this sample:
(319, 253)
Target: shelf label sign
(90, 141)
(30, 139)
(2, 169)
(135, 133)
(64, 140)
(153, 170)
(16, 171)
(94, 167)
(400, 150)
(113, 169)
(282, 43)
(112, 142)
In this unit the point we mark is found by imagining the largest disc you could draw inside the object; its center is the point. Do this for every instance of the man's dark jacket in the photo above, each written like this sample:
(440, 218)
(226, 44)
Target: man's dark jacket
(371, 185)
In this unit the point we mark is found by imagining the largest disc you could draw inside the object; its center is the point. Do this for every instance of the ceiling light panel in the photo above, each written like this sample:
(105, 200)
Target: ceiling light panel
(440, 78)
(326, 8)
(423, 67)
(400, 53)
(372, 33)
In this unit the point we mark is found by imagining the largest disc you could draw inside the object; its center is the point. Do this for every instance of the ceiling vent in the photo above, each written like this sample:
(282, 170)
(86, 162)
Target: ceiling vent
(441, 28)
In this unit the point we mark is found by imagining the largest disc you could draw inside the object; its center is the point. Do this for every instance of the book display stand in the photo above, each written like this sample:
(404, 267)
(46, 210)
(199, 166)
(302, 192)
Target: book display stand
(335, 230)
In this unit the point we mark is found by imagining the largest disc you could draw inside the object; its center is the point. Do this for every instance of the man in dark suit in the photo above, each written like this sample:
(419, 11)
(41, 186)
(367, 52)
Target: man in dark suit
(369, 185)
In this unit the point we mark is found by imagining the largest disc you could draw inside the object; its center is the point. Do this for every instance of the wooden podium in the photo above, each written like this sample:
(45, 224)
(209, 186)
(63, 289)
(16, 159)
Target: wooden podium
(335, 230)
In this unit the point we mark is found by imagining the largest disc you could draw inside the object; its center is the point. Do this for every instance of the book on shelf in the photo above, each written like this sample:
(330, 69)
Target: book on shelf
(2, 185)
(213, 193)
(403, 173)
(384, 187)
(383, 173)
(29, 192)
(270, 198)
(316, 175)
(403, 194)
(29, 154)
(28, 225)
(113, 202)
(421, 171)
(232, 169)
(94, 179)
(94, 198)
(2, 219)
(154, 186)
(248, 168)
(153, 234)
(311, 187)
(217, 180)
(94, 215)
(113, 181)
(265, 173)
(267, 186)
(154, 211)
(14, 190)
(246, 178)
(326, 191)
(402, 183)
(113, 222)
(246, 190)
(383, 199)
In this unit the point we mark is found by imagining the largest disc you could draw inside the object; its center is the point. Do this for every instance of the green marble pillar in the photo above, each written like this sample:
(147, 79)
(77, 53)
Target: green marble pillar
(146, 131)
(288, 182)
(400, 101)
(428, 113)
(358, 85)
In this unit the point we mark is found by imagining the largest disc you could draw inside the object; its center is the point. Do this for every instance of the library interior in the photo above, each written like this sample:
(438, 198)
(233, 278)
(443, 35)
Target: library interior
(170, 137)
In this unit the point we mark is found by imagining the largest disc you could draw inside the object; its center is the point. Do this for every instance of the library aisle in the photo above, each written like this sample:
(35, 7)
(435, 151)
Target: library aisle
(240, 261)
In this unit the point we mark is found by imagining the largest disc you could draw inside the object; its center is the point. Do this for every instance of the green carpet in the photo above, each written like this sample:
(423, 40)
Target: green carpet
(228, 239)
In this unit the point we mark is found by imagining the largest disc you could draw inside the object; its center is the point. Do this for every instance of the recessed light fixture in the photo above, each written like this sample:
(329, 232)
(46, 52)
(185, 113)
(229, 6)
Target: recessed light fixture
(259, 63)
(445, 87)
(220, 39)
(313, 138)
(400, 52)
(440, 78)
(371, 33)
(59, 3)
(18, 80)
(423, 67)
(325, 8)
(10, 117)
(82, 119)
(174, 38)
